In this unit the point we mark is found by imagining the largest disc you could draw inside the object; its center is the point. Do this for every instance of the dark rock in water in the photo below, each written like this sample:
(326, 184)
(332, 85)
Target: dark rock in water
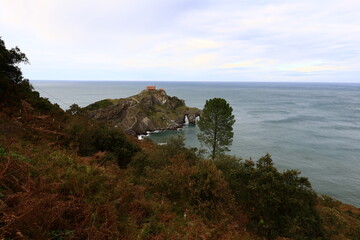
(149, 110)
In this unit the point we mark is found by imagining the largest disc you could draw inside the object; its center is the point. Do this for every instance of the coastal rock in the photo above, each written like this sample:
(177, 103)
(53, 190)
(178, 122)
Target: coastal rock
(149, 110)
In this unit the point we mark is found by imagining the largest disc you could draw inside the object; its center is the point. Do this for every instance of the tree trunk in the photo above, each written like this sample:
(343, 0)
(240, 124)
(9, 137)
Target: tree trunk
(215, 138)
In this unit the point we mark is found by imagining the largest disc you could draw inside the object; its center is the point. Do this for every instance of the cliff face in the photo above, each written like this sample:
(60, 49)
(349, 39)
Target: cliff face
(147, 111)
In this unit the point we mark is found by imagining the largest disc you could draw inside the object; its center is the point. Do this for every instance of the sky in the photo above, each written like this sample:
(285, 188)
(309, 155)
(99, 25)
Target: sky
(186, 40)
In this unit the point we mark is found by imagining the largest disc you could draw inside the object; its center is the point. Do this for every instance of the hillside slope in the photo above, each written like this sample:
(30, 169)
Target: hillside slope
(65, 176)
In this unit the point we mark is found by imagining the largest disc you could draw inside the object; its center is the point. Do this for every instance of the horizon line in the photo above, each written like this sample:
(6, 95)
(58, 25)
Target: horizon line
(214, 81)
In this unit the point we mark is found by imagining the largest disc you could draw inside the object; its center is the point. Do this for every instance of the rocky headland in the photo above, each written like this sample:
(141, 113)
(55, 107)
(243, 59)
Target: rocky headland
(149, 110)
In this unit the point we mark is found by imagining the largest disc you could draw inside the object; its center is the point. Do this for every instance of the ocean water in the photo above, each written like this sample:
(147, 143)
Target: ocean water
(312, 127)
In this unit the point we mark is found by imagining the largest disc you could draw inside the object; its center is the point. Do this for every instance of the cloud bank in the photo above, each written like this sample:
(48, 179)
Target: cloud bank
(186, 40)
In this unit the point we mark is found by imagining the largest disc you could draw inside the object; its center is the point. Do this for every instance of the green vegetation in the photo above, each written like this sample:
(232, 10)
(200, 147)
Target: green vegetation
(15, 90)
(99, 104)
(89, 137)
(64, 176)
(216, 126)
(279, 203)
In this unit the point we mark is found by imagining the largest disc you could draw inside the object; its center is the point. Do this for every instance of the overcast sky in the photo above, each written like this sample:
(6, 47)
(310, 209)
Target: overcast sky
(225, 40)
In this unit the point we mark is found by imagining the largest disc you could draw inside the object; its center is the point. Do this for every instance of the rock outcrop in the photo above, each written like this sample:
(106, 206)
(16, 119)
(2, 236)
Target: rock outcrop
(147, 111)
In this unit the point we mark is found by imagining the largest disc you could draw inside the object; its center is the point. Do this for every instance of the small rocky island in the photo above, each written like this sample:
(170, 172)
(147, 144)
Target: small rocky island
(150, 110)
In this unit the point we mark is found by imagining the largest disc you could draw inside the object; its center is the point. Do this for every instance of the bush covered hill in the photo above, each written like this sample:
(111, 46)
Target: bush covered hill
(65, 176)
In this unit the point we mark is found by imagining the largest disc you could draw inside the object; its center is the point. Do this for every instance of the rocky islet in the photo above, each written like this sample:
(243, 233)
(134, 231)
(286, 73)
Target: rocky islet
(150, 110)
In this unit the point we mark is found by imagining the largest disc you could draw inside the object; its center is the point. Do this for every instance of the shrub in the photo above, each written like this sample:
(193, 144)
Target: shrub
(113, 140)
(278, 204)
(199, 188)
(89, 137)
(161, 155)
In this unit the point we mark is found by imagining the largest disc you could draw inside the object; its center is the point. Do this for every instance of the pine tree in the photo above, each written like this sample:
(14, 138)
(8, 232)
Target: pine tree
(216, 126)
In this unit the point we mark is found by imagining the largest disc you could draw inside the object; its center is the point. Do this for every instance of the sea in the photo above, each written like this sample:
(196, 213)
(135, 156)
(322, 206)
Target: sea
(311, 127)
